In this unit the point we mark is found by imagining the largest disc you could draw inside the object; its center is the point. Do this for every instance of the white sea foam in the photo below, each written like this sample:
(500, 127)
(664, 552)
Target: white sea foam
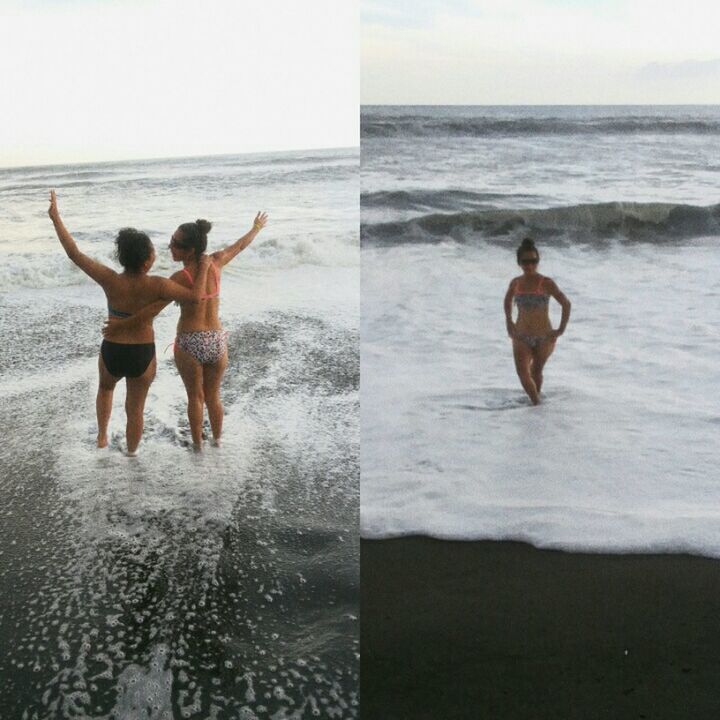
(621, 454)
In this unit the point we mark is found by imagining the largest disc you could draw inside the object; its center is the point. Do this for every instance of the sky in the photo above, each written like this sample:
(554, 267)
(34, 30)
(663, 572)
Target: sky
(94, 80)
(497, 52)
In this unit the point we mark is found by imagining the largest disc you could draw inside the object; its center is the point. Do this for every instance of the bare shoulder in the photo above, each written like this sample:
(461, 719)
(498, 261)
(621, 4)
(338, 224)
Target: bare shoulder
(106, 276)
(552, 288)
(180, 277)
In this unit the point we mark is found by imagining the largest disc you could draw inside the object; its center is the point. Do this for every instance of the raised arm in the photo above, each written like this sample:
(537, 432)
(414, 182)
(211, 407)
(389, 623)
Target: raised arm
(100, 273)
(555, 291)
(223, 257)
(507, 304)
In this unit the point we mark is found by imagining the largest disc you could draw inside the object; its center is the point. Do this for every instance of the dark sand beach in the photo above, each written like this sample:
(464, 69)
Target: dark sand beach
(503, 630)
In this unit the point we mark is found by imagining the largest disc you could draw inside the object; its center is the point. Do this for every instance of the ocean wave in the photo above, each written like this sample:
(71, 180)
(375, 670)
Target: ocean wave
(53, 270)
(435, 199)
(54, 171)
(630, 221)
(289, 252)
(45, 186)
(428, 126)
(191, 178)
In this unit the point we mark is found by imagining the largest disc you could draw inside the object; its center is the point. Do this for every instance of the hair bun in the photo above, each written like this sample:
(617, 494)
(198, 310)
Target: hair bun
(204, 226)
(527, 245)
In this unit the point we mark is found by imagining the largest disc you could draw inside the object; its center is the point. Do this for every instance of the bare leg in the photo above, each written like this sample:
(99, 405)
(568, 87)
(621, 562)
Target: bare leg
(137, 390)
(191, 372)
(103, 402)
(540, 356)
(212, 377)
(523, 360)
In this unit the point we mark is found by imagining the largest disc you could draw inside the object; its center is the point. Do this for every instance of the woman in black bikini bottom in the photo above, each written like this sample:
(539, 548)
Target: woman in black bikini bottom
(131, 355)
(126, 360)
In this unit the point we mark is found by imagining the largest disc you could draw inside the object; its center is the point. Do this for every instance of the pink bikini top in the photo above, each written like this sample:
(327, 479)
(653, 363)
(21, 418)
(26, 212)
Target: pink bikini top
(217, 282)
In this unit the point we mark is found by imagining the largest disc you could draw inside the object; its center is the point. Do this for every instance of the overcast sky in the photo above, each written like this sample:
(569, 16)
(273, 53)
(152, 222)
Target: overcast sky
(89, 80)
(540, 51)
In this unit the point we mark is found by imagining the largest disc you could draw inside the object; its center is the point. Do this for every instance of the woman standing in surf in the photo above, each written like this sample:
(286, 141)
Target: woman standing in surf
(532, 334)
(131, 352)
(201, 343)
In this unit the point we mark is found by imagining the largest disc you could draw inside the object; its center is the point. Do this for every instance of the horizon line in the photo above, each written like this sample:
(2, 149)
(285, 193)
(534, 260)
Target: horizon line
(177, 157)
(436, 104)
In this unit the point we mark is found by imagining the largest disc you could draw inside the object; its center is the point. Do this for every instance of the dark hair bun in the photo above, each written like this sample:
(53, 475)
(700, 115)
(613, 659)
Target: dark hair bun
(132, 249)
(204, 226)
(527, 245)
(195, 235)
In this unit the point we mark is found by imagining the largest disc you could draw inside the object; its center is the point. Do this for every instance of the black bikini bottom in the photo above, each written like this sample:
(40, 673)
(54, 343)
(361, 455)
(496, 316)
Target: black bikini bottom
(127, 360)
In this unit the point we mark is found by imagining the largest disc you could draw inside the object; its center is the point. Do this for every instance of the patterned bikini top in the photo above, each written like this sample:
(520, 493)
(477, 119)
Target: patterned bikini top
(531, 299)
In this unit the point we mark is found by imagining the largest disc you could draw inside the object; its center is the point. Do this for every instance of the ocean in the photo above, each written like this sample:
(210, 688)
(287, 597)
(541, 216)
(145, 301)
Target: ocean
(622, 454)
(181, 585)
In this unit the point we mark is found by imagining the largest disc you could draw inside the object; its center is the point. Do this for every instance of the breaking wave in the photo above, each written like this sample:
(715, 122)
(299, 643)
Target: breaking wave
(628, 221)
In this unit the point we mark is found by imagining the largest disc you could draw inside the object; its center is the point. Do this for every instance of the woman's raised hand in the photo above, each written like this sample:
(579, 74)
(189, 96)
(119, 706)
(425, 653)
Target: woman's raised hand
(260, 221)
(53, 211)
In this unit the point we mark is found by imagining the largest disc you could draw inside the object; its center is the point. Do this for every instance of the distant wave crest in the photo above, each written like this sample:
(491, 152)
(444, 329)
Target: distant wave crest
(427, 126)
(436, 199)
(631, 221)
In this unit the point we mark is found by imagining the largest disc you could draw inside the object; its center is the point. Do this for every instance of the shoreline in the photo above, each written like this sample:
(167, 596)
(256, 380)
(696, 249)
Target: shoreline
(499, 629)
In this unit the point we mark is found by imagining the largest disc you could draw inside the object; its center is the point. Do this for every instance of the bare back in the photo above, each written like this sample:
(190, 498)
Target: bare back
(129, 293)
(202, 315)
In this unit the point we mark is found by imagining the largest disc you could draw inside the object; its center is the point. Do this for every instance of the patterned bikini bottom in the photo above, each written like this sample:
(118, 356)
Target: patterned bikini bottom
(533, 341)
(206, 346)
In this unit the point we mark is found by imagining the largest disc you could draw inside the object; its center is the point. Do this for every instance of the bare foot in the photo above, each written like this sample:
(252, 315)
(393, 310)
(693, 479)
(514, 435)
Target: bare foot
(215, 442)
(102, 441)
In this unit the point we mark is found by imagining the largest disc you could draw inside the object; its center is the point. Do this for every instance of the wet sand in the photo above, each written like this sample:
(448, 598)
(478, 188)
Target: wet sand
(502, 630)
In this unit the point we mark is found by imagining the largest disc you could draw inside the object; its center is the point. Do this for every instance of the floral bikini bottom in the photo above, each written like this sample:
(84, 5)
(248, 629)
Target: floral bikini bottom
(206, 346)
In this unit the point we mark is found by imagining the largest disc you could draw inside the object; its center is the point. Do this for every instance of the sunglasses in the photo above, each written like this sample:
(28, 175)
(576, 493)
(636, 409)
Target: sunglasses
(174, 243)
(529, 261)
